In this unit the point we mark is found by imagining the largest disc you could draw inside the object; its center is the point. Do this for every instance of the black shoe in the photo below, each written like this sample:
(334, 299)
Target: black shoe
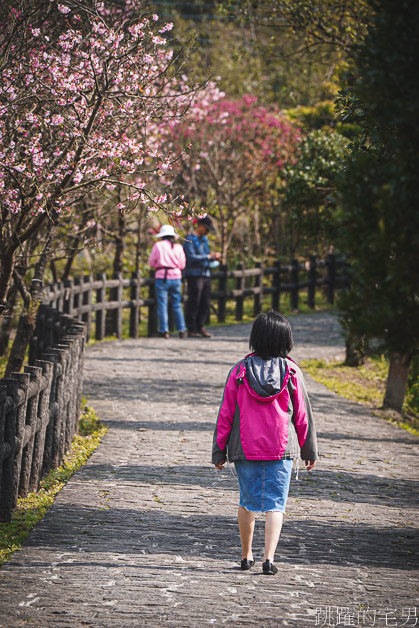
(194, 334)
(246, 564)
(269, 568)
(204, 333)
(182, 334)
(164, 334)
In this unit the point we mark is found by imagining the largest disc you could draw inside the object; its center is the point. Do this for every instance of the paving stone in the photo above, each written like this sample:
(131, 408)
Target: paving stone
(145, 534)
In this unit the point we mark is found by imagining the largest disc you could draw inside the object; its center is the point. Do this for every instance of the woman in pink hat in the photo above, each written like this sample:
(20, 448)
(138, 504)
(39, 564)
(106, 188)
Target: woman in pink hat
(168, 259)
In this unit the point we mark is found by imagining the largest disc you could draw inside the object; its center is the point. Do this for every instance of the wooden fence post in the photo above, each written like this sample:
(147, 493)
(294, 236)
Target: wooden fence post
(222, 299)
(312, 279)
(330, 265)
(276, 286)
(52, 436)
(28, 435)
(258, 297)
(88, 300)
(59, 303)
(42, 420)
(119, 310)
(152, 308)
(68, 305)
(9, 408)
(134, 318)
(294, 284)
(113, 325)
(100, 303)
(35, 403)
(78, 282)
(239, 299)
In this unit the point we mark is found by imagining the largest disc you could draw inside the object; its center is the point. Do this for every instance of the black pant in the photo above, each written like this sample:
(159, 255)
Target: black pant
(198, 304)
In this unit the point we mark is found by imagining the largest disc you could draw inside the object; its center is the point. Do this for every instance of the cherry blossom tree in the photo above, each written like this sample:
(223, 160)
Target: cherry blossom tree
(82, 87)
(236, 152)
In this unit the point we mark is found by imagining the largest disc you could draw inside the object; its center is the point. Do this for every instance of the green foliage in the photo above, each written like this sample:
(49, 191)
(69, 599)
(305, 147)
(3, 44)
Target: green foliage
(338, 24)
(377, 220)
(3, 364)
(412, 395)
(321, 116)
(311, 118)
(32, 508)
(250, 58)
(309, 188)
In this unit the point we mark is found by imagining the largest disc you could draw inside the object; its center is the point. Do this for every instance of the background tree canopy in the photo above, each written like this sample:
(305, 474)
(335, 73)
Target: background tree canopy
(377, 216)
(287, 52)
(236, 118)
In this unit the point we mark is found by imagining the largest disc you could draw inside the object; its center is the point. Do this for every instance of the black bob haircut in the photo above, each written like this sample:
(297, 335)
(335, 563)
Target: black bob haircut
(271, 336)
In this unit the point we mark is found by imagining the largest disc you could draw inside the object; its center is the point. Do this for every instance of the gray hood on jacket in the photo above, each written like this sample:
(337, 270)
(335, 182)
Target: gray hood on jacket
(266, 377)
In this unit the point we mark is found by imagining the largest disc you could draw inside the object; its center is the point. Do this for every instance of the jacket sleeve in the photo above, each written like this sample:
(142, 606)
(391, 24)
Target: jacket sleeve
(303, 418)
(225, 419)
(191, 255)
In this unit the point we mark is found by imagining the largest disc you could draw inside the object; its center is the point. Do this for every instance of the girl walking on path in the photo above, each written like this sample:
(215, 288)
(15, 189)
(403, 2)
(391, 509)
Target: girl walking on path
(264, 422)
(168, 259)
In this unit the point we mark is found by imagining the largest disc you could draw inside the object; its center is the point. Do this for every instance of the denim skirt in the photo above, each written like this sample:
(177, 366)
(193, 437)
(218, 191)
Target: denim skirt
(264, 484)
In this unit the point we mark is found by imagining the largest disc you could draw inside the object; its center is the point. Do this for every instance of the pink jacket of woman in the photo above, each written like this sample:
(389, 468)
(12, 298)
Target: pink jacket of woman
(265, 413)
(167, 259)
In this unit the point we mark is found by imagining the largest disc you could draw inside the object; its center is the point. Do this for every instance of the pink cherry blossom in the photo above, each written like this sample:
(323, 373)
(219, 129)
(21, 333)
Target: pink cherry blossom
(80, 113)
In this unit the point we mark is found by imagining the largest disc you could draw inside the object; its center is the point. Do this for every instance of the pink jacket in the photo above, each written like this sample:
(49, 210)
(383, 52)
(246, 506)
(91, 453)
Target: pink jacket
(265, 413)
(163, 256)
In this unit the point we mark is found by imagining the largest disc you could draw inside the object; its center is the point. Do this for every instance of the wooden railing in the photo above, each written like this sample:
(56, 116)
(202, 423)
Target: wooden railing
(40, 408)
(100, 302)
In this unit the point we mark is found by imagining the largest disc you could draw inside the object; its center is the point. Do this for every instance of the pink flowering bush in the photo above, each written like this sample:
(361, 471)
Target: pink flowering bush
(79, 102)
(236, 153)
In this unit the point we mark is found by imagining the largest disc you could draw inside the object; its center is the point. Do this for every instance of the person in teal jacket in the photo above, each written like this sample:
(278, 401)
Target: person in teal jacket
(264, 422)
(198, 274)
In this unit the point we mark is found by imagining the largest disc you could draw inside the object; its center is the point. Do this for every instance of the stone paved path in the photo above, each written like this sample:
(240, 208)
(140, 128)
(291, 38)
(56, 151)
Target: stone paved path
(146, 534)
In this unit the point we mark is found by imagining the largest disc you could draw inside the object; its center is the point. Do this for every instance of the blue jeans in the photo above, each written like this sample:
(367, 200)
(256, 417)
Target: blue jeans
(173, 288)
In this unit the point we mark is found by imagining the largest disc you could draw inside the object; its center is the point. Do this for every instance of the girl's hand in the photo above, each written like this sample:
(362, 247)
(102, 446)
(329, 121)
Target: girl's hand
(219, 465)
(309, 464)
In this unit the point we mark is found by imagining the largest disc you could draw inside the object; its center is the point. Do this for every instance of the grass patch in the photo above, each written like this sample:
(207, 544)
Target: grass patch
(364, 384)
(32, 508)
(3, 364)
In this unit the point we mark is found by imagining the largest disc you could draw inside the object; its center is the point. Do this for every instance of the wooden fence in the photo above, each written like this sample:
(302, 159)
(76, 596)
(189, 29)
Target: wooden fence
(39, 408)
(100, 302)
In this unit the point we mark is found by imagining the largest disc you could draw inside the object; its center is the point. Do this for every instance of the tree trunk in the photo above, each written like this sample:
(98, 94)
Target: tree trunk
(54, 273)
(70, 259)
(256, 227)
(224, 238)
(6, 321)
(397, 381)
(7, 265)
(355, 353)
(8, 256)
(27, 321)
(118, 263)
(139, 243)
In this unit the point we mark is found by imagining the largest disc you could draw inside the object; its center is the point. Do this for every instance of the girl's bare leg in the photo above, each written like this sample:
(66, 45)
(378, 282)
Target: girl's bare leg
(246, 527)
(273, 525)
